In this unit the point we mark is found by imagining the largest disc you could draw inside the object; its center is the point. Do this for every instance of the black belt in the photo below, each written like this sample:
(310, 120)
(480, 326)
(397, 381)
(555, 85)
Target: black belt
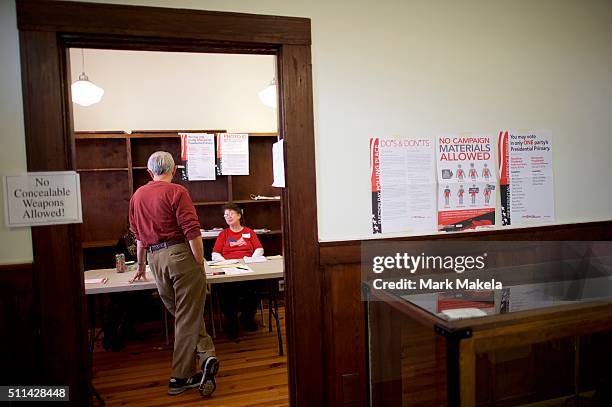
(163, 245)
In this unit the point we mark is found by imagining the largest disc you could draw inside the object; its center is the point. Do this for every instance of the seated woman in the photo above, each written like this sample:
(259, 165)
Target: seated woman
(235, 242)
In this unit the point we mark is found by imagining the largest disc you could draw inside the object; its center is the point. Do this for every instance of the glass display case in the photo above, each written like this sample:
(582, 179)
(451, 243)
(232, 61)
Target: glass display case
(523, 343)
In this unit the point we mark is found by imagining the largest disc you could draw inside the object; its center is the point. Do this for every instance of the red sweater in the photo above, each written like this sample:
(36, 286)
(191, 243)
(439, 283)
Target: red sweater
(236, 245)
(163, 212)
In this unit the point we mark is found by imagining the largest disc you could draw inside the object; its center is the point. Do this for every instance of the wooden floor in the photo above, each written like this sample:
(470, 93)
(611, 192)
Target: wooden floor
(251, 372)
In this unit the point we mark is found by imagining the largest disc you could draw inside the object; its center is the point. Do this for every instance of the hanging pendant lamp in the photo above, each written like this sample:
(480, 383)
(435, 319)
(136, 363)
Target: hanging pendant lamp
(268, 96)
(84, 92)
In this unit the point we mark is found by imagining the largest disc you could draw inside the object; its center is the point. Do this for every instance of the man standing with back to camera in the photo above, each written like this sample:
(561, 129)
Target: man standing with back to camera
(167, 231)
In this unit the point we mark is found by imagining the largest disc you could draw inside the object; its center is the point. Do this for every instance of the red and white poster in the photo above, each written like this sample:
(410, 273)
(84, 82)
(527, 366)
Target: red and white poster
(526, 177)
(200, 153)
(233, 153)
(483, 300)
(403, 185)
(466, 182)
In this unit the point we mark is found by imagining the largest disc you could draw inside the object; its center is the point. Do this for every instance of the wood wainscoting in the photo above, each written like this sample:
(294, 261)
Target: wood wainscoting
(19, 322)
(344, 311)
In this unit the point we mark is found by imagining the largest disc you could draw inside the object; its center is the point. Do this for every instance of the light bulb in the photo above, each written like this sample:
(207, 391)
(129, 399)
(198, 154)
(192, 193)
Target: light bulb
(268, 95)
(85, 93)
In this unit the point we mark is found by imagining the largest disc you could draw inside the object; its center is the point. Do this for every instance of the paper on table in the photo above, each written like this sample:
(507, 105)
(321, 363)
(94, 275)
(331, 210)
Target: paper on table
(278, 164)
(462, 313)
(210, 233)
(258, 259)
(277, 256)
(232, 271)
(219, 263)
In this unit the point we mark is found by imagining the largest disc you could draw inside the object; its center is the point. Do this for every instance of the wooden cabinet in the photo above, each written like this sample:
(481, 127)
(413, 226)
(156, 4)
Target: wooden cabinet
(112, 165)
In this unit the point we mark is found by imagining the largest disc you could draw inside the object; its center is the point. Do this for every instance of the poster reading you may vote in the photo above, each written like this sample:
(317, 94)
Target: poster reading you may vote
(42, 198)
(526, 177)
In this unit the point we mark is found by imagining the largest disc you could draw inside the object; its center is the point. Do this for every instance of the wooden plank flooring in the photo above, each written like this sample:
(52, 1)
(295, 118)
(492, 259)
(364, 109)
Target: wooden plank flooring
(251, 372)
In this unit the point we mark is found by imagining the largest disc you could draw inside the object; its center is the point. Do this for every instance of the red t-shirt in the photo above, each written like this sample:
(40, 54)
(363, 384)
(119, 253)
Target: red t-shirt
(163, 212)
(236, 245)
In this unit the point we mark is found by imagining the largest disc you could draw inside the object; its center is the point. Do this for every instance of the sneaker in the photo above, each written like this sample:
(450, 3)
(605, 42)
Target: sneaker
(210, 367)
(177, 386)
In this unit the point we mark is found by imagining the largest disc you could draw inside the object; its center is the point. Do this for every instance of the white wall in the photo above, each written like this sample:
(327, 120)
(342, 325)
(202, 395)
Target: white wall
(15, 244)
(418, 68)
(168, 90)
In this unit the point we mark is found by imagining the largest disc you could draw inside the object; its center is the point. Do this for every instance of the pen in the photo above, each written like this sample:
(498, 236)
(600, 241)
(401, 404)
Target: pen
(241, 268)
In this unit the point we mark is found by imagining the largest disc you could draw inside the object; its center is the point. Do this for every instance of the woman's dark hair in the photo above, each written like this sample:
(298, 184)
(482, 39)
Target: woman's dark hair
(233, 207)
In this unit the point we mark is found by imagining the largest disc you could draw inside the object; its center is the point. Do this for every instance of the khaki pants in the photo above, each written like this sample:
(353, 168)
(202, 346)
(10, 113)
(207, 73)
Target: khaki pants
(181, 283)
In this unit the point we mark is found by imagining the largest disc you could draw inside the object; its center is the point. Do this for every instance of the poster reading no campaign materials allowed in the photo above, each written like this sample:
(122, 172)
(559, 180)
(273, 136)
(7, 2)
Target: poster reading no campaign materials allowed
(466, 182)
(526, 177)
(403, 185)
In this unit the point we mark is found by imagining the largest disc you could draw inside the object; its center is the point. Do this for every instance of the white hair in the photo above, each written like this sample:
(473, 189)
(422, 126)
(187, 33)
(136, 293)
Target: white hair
(160, 162)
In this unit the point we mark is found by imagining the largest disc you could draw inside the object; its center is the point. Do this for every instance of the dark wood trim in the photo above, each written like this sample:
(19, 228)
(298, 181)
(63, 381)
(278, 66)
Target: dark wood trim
(348, 252)
(159, 25)
(386, 386)
(134, 43)
(300, 236)
(19, 319)
(15, 267)
(149, 133)
(47, 30)
(58, 277)
(420, 315)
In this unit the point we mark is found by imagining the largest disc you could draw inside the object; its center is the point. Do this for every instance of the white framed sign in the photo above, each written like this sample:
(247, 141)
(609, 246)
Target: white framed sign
(42, 198)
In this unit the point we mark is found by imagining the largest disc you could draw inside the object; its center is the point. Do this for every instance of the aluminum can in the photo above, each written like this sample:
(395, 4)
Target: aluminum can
(120, 263)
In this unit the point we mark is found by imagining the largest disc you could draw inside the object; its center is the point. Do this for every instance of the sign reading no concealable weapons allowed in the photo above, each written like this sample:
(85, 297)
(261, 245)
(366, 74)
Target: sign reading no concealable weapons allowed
(42, 198)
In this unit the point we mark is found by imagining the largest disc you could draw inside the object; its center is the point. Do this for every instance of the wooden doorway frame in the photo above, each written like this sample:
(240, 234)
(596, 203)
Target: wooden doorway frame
(46, 30)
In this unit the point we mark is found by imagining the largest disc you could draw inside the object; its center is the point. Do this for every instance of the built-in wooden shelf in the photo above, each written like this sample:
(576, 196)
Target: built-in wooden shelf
(118, 161)
(100, 169)
(100, 243)
(209, 203)
(100, 135)
(272, 232)
(255, 201)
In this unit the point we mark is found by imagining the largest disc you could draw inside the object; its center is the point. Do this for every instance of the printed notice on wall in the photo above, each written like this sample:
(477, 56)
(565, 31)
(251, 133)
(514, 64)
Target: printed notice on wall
(233, 153)
(278, 164)
(42, 198)
(526, 177)
(200, 156)
(403, 185)
(466, 183)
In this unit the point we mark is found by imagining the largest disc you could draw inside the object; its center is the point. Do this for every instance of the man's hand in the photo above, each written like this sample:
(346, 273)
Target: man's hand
(141, 273)
(141, 255)
(197, 248)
